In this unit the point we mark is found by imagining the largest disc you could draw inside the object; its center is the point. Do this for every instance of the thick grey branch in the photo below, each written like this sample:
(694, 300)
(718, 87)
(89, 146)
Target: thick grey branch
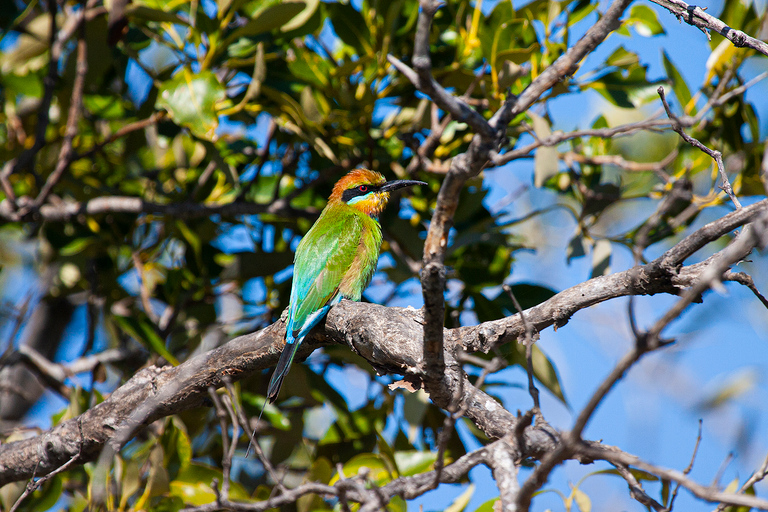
(389, 338)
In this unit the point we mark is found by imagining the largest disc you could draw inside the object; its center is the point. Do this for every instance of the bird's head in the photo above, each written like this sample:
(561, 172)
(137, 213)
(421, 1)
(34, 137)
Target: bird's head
(367, 190)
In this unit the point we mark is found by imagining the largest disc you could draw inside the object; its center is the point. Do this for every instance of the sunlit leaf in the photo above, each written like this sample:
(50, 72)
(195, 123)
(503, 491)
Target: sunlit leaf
(545, 161)
(413, 462)
(191, 99)
(601, 258)
(679, 86)
(645, 22)
(369, 463)
(461, 501)
(266, 18)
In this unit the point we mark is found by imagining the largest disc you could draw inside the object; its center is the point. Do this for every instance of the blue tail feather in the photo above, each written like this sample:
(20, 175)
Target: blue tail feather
(281, 370)
(293, 339)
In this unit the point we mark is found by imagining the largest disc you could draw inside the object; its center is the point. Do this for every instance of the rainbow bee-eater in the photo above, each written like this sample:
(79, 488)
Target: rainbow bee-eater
(336, 259)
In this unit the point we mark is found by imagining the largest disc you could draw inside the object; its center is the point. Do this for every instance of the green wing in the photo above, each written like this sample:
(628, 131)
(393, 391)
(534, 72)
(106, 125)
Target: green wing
(322, 258)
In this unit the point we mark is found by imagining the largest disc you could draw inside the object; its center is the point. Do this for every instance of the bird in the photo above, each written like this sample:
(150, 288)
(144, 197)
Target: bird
(336, 259)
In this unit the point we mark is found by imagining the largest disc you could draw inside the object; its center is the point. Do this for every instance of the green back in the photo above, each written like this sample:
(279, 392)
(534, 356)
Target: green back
(342, 240)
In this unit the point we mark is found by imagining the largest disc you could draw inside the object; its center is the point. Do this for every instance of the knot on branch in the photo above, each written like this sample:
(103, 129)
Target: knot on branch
(738, 38)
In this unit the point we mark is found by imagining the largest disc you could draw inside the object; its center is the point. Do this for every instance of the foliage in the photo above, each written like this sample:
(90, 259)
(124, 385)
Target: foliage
(229, 121)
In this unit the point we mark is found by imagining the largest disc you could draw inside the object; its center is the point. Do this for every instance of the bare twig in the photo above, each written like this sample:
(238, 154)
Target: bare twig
(707, 493)
(746, 280)
(421, 75)
(120, 133)
(687, 470)
(226, 461)
(619, 161)
(75, 113)
(653, 123)
(532, 389)
(696, 16)
(756, 477)
(33, 485)
(717, 156)
(636, 490)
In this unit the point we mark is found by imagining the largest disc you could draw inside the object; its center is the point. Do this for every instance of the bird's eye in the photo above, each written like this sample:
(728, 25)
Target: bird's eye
(363, 188)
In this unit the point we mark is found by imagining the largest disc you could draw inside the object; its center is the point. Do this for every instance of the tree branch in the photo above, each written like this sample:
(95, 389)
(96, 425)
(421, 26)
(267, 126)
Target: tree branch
(69, 210)
(707, 493)
(662, 275)
(696, 16)
(391, 339)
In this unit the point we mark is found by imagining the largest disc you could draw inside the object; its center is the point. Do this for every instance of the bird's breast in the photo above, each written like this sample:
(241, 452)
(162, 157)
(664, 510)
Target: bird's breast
(363, 266)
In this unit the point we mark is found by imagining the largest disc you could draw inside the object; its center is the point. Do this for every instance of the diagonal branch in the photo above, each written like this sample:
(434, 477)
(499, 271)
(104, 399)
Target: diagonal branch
(717, 156)
(564, 66)
(470, 163)
(694, 15)
(662, 275)
(421, 75)
(73, 118)
(390, 339)
(707, 493)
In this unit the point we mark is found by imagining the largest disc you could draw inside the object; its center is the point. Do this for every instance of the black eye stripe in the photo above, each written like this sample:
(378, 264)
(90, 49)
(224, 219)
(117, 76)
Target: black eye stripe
(351, 193)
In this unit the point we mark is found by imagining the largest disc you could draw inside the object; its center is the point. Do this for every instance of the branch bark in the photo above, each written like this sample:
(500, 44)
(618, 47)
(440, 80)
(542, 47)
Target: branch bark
(696, 16)
(69, 210)
(391, 339)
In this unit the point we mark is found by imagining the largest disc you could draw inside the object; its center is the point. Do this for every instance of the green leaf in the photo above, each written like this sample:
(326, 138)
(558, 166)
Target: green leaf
(276, 417)
(77, 246)
(397, 504)
(310, 7)
(639, 474)
(546, 373)
(488, 506)
(679, 86)
(582, 500)
(581, 10)
(193, 485)
(141, 330)
(601, 258)
(266, 18)
(414, 409)
(374, 464)
(543, 369)
(731, 389)
(545, 161)
(130, 481)
(577, 248)
(178, 446)
(351, 27)
(143, 12)
(665, 485)
(191, 99)
(321, 471)
(644, 21)
(413, 462)
(461, 501)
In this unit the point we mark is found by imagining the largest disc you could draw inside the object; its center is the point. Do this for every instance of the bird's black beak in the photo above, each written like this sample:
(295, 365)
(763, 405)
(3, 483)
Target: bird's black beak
(396, 184)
